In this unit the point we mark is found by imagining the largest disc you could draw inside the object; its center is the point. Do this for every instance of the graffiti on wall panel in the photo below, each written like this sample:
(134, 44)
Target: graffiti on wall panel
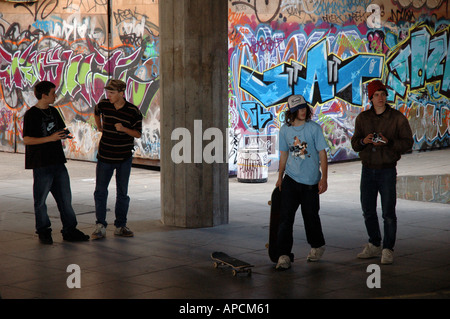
(324, 78)
(78, 77)
(71, 51)
(327, 51)
(418, 81)
(330, 70)
(421, 59)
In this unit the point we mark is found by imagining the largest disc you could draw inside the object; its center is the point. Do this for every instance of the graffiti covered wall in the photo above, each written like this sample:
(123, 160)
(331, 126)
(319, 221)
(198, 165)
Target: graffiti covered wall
(79, 45)
(328, 50)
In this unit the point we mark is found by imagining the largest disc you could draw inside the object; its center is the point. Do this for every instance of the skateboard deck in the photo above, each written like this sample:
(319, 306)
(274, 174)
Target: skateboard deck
(237, 265)
(275, 204)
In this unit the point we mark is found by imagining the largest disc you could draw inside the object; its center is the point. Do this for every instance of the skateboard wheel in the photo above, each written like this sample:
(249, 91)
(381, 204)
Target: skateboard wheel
(234, 272)
(216, 265)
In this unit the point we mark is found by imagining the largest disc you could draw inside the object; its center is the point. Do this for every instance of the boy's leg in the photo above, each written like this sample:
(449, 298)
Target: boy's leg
(388, 194)
(122, 199)
(42, 181)
(369, 193)
(289, 205)
(62, 193)
(103, 172)
(310, 212)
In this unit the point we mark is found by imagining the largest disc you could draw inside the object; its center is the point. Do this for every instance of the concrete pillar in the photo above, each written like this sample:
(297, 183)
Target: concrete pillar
(194, 80)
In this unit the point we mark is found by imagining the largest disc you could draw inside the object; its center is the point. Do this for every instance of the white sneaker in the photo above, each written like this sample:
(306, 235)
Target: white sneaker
(99, 232)
(370, 251)
(315, 254)
(284, 262)
(387, 256)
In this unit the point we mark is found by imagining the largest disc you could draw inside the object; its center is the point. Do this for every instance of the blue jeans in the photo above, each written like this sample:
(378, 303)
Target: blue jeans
(53, 179)
(383, 181)
(104, 173)
(293, 195)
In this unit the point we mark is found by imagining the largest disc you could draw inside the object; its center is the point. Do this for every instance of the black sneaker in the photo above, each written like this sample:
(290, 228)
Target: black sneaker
(74, 235)
(45, 236)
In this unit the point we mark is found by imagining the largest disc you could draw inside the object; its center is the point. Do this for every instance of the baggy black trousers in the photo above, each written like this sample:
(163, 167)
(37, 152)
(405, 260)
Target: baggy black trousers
(293, 195)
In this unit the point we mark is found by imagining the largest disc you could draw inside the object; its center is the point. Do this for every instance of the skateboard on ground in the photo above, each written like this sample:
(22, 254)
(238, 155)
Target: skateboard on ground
(237, 265)
(275, 204)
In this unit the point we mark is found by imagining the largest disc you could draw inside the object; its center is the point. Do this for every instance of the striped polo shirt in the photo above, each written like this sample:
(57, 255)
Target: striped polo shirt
(115, 146)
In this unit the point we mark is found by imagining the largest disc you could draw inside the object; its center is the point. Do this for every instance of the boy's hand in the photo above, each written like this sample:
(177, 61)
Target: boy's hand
(323, 186)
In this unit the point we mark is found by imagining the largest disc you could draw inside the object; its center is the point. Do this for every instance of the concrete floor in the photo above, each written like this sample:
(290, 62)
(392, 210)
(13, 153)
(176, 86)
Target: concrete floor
(163, 262)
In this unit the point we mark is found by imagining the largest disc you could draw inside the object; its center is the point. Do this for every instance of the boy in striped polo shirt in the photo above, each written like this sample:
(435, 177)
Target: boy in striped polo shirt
(120, 123)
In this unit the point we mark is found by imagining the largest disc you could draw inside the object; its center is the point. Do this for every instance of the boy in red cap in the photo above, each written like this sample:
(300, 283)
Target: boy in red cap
(382, 134)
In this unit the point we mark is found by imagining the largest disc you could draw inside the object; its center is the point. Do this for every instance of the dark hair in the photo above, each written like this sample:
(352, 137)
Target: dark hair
(290, 117)
(43, 87)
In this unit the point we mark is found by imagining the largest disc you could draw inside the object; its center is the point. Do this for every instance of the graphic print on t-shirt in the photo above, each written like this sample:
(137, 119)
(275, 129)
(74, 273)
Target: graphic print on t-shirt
(299, 148)
(48, 125)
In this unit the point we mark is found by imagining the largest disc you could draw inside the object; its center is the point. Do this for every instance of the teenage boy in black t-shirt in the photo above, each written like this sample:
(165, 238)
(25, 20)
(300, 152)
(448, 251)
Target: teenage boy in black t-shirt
(43, 130)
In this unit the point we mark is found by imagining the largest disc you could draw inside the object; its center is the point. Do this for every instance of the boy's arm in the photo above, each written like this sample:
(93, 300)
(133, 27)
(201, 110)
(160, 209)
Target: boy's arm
(129, 131)
(98, 122)
(58, 135)
(281, 167)
(359, 141)
(323, 183)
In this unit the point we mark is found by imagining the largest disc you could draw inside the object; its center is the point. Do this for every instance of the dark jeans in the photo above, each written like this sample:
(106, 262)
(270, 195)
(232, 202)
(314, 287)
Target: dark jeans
(53, 179)
(383, 181)
(293, 195)
(104, 173)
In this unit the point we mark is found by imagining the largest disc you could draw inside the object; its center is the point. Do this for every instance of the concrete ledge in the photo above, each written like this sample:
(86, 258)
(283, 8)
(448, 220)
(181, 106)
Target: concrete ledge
(425, 188)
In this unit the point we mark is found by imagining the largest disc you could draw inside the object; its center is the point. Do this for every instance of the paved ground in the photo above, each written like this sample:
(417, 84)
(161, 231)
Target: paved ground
(174, 263)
